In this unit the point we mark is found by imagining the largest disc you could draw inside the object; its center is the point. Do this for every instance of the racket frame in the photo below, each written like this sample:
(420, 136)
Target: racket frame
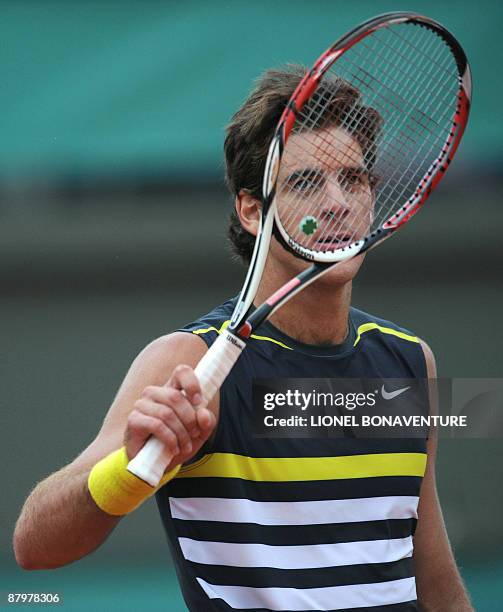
(243, 321)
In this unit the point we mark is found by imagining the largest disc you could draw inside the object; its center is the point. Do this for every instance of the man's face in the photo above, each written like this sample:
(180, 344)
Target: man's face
(324, 197)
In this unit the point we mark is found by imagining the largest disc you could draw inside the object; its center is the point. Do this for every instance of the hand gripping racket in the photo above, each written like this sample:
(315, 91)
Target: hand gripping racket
(364, 140)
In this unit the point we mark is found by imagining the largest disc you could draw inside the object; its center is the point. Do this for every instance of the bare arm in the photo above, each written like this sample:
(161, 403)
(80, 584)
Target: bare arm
(439, 584)
(60, 522)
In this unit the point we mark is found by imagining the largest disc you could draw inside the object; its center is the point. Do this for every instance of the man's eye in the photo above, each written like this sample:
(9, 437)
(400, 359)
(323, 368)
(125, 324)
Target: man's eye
(353, 180)
(306, 184)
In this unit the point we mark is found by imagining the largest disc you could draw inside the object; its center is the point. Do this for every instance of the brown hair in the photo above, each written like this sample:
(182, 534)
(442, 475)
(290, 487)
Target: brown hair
(251, 129)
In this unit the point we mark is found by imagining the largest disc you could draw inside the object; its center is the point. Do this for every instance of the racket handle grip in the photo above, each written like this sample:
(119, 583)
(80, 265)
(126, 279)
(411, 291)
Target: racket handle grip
(153, 459)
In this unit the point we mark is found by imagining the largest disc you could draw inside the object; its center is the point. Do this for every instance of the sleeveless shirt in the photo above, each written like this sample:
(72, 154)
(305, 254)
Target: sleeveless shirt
(299, 523)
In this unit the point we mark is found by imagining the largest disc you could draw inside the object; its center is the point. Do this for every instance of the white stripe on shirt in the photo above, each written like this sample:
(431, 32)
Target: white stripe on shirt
(293, 513)
(296, 557)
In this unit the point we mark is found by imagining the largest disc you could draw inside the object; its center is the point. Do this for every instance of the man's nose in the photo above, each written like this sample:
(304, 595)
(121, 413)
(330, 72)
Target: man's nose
(335, 202)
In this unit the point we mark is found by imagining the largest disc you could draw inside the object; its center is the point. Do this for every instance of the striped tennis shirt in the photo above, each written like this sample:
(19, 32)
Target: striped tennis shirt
(299, 523)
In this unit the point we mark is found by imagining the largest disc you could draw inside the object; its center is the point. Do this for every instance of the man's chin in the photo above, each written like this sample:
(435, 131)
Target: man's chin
(343, 272)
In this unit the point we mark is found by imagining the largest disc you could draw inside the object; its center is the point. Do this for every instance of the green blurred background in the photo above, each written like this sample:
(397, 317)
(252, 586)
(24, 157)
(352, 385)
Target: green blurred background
(112, 117)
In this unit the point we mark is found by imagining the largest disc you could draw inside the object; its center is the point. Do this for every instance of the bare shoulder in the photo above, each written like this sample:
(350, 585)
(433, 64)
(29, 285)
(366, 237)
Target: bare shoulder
(431, 366)
(152, 366)
(158, 359)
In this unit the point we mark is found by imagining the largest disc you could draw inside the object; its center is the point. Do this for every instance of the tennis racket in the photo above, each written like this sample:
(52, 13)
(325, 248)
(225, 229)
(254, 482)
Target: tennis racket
(365, 138)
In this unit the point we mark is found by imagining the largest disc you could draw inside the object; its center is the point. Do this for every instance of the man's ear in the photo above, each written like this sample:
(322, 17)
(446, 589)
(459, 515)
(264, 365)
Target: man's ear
(248, 209)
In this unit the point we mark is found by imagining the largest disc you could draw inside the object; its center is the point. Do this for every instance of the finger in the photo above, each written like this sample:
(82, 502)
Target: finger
(168, 415)
(206, 421)
(179, 403)
(141, 426)
(183, 378)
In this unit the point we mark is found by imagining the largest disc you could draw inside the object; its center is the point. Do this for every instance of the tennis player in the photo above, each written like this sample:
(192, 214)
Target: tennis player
(264, 523)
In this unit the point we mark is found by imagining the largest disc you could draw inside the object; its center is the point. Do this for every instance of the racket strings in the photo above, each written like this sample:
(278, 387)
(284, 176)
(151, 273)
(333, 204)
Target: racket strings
(410, 82)
(396, 100)
(418, 85)
(345, 223)
(413, 148)
(409, 67)
(431, 35)
(325, 148)
(445, 98)
(400, 98)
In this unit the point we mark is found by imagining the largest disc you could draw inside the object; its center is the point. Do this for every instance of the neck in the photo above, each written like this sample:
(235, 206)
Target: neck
(318, 314)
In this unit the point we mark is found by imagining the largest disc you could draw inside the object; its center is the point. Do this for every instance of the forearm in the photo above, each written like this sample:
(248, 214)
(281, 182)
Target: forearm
(454, 602)
(439, 584)
(60, 522)
(444, 590)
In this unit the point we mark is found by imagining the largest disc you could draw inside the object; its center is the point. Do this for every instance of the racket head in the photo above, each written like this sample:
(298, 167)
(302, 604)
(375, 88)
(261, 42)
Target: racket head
(366, 136)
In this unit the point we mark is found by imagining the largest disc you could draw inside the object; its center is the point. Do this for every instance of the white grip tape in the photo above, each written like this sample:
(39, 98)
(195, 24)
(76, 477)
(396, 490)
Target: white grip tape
(216, 364)
(153, 459)
(149, 464)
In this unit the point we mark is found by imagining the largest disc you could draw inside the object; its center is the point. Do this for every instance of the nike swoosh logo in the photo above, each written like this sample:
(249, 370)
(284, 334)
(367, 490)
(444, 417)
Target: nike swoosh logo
(387, 395)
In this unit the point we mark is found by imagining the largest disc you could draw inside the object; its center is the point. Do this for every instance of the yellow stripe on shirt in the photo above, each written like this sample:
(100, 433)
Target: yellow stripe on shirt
(365, 327)
(254, 336)
(385, 330)
(291, 469)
